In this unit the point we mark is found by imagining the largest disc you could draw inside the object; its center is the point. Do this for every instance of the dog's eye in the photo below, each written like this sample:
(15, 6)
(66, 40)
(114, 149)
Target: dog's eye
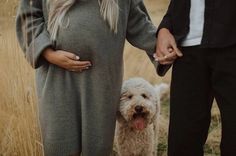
(130, 96)
(144, 96)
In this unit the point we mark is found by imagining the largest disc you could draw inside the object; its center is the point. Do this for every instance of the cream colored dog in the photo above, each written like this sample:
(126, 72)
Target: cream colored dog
(137, 119)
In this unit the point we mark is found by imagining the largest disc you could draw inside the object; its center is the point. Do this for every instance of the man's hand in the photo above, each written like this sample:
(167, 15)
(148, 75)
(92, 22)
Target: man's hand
(66, 60)
(166, 50)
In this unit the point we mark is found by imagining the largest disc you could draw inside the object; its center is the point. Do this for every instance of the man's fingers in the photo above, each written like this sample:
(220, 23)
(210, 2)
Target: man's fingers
(177, 51)
(162, 51)
(165, 52)
(170, 57)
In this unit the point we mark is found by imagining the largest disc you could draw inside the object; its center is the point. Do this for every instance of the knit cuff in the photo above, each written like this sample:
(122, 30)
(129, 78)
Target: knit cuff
(36, 48)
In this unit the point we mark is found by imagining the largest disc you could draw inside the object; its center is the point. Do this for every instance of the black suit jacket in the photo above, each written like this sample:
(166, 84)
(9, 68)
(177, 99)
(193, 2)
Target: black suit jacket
(219, 26)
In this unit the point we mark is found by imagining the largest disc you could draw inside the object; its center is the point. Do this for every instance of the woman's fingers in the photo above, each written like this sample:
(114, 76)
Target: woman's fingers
(81, 63)
(74, 59)
(74, 64)
(169, 57)
(68, 61)
(79, 66)
(167, 62)
(71, 55)
(78, 69)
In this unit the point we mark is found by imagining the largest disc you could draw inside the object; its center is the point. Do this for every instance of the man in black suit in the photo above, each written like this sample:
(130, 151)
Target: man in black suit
(199, 38)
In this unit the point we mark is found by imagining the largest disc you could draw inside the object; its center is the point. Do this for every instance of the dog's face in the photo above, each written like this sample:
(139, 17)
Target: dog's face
(139, 104)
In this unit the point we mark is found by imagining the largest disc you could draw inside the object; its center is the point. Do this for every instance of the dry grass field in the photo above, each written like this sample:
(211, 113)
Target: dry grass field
(19, 129)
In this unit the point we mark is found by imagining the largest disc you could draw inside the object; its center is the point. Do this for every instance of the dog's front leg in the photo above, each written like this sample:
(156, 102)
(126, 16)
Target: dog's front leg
(151, 148)
(149, 152)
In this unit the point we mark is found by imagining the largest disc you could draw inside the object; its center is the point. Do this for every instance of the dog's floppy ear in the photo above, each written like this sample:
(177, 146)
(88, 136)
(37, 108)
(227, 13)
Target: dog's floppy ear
(161, 89)
(119, 117)
(157, 111)
(156, 117)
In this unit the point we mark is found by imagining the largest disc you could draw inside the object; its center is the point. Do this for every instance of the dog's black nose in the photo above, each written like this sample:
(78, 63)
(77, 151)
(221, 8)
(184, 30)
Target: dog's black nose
(138, 109)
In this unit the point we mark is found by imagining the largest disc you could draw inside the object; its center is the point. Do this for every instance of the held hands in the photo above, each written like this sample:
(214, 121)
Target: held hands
(166, 50)
(66, 60)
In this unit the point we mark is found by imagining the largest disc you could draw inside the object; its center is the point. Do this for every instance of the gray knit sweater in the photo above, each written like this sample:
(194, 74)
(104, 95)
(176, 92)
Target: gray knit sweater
(78, 110)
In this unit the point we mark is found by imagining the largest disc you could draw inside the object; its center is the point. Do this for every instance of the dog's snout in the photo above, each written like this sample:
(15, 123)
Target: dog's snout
(138, 109)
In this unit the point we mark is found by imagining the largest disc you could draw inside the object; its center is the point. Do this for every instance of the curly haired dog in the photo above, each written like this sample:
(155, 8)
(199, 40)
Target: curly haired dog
(137, 118)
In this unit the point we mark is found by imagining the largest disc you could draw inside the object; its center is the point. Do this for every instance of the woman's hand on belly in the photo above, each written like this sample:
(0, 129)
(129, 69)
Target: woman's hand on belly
(66, 60)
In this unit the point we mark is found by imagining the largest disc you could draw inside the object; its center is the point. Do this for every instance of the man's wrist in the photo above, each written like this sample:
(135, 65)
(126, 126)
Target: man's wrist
(164, 30)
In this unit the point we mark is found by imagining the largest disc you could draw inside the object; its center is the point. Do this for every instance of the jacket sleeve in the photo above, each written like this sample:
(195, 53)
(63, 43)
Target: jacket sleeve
(141, 33)
(31, 31)
(166, 20)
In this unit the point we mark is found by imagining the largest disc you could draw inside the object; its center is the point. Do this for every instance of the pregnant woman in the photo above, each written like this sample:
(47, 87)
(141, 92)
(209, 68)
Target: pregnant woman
(77, 47)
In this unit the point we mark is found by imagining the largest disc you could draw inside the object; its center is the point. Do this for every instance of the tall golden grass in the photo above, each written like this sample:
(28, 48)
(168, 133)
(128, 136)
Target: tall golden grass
(19, 128)
(19, 131)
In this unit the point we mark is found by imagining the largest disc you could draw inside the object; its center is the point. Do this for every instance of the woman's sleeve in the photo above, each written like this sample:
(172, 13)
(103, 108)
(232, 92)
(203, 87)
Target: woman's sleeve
(140, 30)
(31, 31)
(141, 33)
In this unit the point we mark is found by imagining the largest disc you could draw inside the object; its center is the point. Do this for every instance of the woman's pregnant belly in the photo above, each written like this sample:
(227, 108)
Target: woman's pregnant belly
(87, 35)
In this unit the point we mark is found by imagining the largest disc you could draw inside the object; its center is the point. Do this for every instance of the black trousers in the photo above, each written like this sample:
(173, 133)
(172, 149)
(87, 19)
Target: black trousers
(197, 78)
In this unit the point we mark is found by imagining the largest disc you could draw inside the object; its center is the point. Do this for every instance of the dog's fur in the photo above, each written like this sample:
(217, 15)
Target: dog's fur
(137, 118)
